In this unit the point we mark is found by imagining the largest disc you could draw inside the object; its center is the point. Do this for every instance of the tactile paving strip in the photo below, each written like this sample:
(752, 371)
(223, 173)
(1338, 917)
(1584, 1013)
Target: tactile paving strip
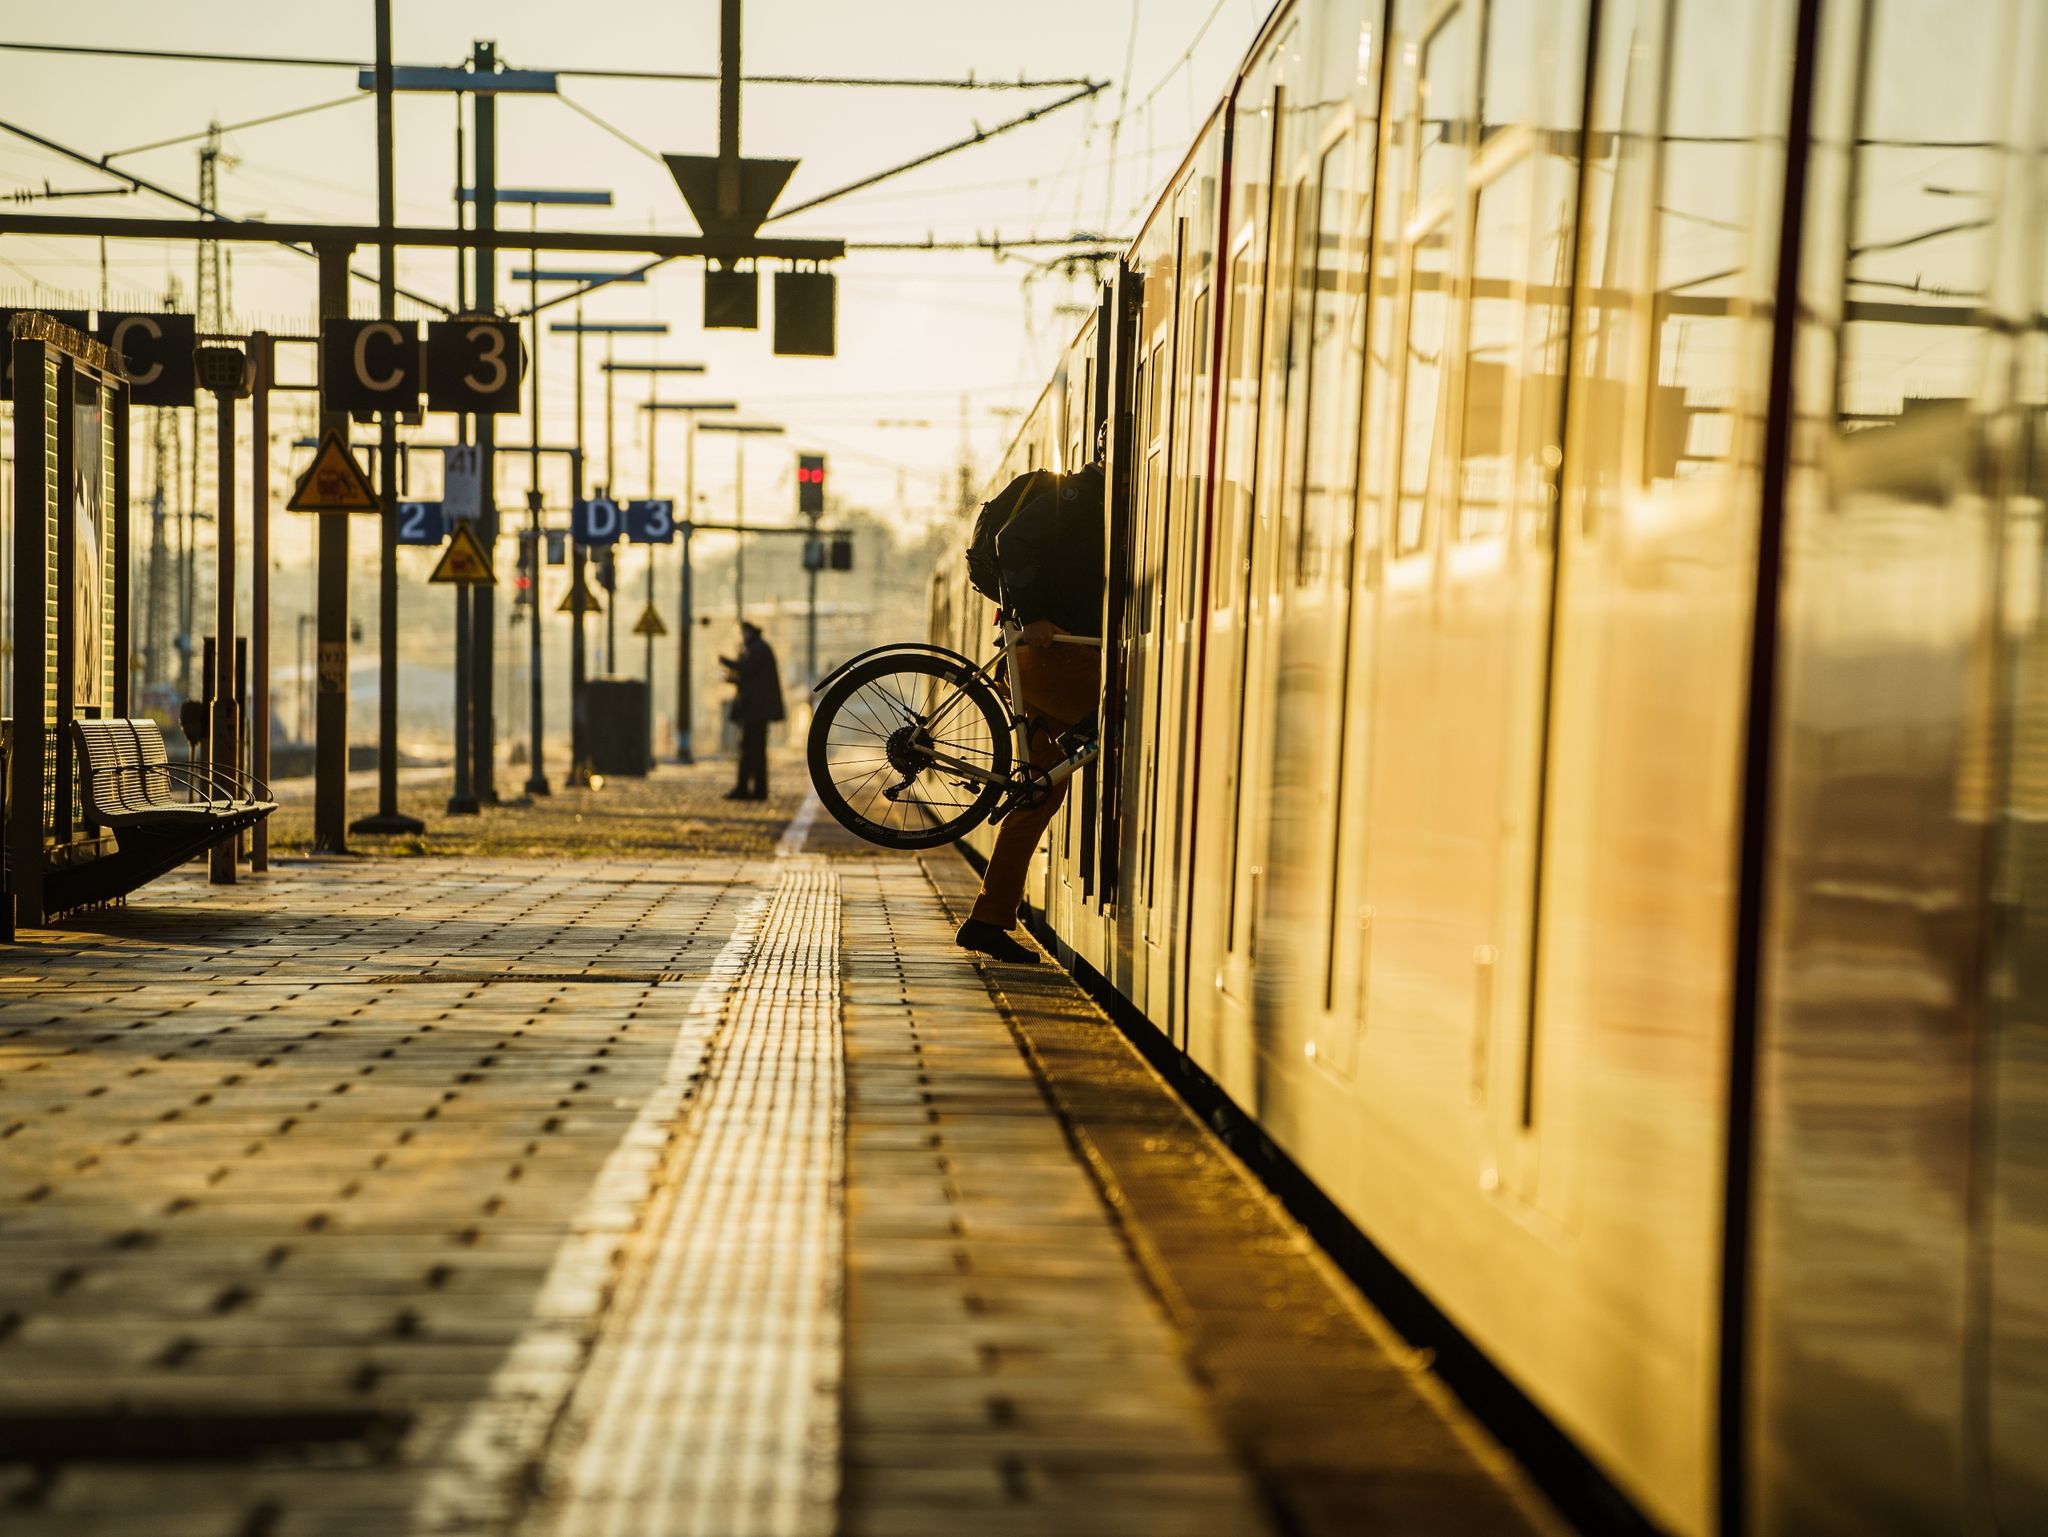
(710, 1405)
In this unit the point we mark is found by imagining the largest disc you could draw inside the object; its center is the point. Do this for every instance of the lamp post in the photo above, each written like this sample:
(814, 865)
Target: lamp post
(611, 370)
(685, 746)
(579, 753)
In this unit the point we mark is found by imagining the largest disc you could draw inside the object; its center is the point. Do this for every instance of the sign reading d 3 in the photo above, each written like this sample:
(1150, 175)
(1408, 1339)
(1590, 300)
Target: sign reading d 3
(474, 364)
(369, 365)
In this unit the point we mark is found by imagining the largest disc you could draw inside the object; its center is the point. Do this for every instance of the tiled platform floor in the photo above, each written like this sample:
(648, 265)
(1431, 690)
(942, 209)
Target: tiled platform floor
(716, 1194)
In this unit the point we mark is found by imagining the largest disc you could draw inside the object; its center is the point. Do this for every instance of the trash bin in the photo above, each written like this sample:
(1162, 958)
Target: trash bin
(618, 725)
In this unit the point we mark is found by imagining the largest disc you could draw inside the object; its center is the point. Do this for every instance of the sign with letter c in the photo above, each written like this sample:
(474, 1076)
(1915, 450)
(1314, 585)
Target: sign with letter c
(155, 351)
(369, 365)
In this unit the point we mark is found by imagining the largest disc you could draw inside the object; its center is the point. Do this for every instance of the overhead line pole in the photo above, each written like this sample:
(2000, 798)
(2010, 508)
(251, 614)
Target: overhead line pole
(387, 818)
(536, 771)
(483, 612)
(330, 661)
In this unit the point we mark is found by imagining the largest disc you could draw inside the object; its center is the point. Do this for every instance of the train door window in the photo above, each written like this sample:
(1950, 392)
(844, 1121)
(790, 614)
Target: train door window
(1429, 307)
(1237, 430)
(1154, 508)
(1200, 343)
(1493, 340)
(1141, 464)
(1504, 82)
(1706, 194)
(1546, 342)
(1331, 455)
(1612, 231)
(1446, 104)
(1923, 190)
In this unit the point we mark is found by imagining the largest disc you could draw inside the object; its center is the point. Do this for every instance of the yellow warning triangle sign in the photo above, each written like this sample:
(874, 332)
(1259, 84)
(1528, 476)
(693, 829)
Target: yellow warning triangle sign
(578, 600)
(649, 623)
(464, 562)
(334, 482)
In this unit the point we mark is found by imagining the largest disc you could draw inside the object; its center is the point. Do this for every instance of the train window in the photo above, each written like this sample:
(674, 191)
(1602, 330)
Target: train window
(1446, 105)
(1612, 231)
(1508, 53)
(1138, 474)
(1237, 432)
(1199, 344)
(1923, 193)
(1152, 509)
(1705, 206)
(1334, 337)
(1429, 307)
(1546, 343)
(1493, 337)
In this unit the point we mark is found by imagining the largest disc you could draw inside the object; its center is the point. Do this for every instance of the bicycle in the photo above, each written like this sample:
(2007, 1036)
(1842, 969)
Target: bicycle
(912, 746)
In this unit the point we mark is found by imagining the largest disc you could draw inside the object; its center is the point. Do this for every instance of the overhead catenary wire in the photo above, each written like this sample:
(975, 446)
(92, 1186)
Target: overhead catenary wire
(970, 82)
(979, 136)
(1117, 123)
(613, 129)
(254, 122)
(144, 184)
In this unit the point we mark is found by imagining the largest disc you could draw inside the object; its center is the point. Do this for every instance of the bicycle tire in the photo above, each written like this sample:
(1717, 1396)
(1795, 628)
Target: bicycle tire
(850, 746)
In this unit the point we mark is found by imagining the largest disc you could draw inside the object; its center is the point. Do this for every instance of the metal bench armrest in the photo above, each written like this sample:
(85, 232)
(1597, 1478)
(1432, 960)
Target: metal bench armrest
(194, 781)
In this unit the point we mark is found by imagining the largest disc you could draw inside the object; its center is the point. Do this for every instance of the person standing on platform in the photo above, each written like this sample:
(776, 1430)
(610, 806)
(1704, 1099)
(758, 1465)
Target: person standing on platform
(1049, 569)
(756, 705)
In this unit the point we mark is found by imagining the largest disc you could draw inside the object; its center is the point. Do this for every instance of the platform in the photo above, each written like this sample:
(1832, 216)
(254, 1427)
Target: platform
(709, 1194)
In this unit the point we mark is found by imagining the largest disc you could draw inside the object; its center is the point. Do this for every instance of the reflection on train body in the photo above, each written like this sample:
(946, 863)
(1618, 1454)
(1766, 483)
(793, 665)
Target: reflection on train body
(1576, 755)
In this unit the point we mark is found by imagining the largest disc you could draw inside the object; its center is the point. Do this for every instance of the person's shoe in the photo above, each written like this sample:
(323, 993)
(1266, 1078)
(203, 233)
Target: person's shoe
(737, 795)
(997, 944)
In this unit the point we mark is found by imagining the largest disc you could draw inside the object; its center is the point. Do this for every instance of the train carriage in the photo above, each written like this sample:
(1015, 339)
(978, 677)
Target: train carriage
(1573, 723)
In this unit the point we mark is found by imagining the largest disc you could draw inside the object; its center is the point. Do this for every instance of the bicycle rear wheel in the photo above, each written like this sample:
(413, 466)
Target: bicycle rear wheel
(874, 744)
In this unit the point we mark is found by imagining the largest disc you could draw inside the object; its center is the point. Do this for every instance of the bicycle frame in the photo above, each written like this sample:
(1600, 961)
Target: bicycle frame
(1020, 720)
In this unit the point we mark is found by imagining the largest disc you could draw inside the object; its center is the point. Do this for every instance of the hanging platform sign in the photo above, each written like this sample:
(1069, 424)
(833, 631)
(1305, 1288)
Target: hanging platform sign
(651, 522)
(334, 482)
(464, 563)
(462, 484)
(421, 523)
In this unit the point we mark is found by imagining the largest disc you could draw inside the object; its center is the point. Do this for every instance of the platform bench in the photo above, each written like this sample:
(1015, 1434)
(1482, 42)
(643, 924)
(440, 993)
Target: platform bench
(161, 812)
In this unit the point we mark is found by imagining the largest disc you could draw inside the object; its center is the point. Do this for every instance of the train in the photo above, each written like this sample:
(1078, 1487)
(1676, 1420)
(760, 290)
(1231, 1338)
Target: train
(1575, 716)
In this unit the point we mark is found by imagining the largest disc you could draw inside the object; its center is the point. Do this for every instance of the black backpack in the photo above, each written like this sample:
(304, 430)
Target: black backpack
(984, 572)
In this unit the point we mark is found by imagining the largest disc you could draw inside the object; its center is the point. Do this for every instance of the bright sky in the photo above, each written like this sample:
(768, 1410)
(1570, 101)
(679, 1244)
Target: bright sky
(917, 332)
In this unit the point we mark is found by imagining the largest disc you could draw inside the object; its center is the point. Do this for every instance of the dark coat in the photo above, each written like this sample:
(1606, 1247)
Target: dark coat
(757, 682)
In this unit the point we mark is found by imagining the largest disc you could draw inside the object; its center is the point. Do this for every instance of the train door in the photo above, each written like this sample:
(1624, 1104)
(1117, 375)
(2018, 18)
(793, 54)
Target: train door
(1219, 943)
(2012, 1303)
(1268, 593)
(1171, 546)
(1524, 210)
(1900, 1189)
(1170, 898)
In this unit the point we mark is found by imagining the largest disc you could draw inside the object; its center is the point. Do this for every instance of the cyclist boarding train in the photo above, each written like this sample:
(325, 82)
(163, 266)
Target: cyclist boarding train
(911, 746)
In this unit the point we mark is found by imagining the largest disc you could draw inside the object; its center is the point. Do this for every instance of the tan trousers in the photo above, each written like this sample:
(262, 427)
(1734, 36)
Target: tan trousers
(1059, 684)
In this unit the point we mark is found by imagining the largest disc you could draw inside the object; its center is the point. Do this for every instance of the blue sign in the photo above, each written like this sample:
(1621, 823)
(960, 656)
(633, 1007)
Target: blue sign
(599, 520)
(652, 522)
(421, 523)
